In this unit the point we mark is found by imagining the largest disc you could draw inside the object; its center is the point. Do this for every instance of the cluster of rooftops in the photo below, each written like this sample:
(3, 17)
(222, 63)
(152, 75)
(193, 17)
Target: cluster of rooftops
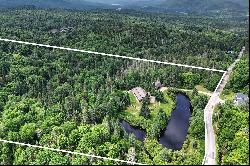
(140, 93)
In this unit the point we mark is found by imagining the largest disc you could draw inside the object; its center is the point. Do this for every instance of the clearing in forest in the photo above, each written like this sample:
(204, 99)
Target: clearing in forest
(76, 100)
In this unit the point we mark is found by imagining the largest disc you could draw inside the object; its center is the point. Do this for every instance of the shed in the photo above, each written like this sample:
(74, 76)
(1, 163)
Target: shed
(152, 99)
(158, 84)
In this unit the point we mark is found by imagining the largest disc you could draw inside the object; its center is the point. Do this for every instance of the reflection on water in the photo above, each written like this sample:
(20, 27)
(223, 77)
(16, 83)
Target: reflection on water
(139, 134)
(175, 133)
(176, 130)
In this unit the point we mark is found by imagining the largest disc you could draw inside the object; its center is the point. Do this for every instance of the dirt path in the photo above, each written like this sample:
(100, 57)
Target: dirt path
(188, 90)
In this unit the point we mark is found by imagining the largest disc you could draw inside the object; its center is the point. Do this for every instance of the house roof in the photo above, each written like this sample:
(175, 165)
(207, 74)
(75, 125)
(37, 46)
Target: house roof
(54, 31)
(158, 84)
(139, 93)
(241, 97)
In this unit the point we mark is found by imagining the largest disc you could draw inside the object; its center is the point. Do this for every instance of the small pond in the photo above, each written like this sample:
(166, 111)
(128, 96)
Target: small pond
(139, 133)
(174, 135)
(176, 131)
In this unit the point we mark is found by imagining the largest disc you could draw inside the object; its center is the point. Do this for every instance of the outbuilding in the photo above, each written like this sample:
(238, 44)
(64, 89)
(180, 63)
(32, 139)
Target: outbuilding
(241, 99)
(158, 84)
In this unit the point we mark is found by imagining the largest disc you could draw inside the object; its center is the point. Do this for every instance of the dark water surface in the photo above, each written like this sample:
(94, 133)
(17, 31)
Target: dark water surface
(176, 130)
(139, 133)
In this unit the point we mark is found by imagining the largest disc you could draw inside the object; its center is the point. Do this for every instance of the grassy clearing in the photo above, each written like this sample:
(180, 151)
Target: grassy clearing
(135, 106)
(167, 107)
(228, 96)
(201, 88)
(132, 113)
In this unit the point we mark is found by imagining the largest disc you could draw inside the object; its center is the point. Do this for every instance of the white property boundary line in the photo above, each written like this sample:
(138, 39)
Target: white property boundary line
(218, 85)
(111, 55)
(214, 93)
(65, 151)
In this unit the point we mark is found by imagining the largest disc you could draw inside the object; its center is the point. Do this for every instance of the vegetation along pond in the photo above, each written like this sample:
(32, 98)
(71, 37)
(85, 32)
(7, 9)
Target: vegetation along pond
(139, 133)
(174, 135)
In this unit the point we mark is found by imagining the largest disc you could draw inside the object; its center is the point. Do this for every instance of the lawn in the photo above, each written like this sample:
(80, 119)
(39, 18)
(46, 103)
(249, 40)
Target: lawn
(167, 107)
(201, 88)
(132, 113)
(228, 96)
(135, 106)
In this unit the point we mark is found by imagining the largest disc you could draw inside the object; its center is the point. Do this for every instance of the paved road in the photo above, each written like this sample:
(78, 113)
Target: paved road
(210, 145)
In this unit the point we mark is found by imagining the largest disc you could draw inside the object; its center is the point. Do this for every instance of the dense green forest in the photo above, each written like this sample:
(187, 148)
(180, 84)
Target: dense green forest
(193, 40)
(239, 80)
(232, 121)
(232, 130)
(47, 94)
(74, 101)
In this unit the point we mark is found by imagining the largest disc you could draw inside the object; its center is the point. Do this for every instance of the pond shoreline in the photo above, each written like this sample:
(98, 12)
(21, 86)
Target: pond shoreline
(173, 135)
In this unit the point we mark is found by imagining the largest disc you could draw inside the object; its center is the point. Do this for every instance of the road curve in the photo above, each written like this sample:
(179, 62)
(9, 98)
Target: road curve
(210, 144)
